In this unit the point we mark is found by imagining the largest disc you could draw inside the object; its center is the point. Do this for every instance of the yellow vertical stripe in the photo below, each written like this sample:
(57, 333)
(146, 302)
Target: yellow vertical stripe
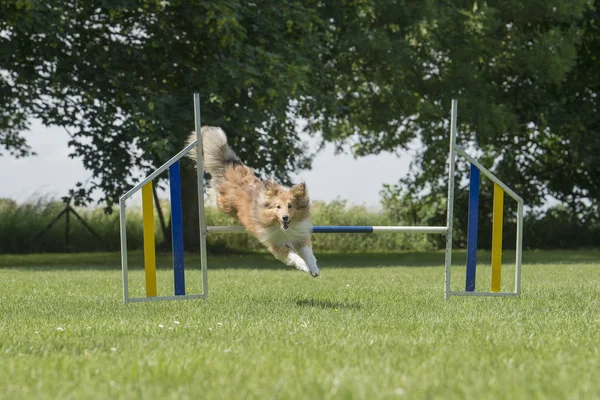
(149, 248)
(497, 238)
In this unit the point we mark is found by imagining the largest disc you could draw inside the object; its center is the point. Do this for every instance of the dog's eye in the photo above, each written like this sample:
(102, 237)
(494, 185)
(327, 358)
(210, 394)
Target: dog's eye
(278, 207)
(289, 206)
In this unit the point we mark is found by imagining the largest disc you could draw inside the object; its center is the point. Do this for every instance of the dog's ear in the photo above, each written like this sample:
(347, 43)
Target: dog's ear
(271, 188)
(300, 194)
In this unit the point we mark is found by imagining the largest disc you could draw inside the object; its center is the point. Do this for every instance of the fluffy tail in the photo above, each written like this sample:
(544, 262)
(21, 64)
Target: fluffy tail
(215, 151)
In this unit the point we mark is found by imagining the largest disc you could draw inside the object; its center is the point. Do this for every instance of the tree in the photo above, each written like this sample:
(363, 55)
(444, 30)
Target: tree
(525, 74)
(121, 74)
(369, 75)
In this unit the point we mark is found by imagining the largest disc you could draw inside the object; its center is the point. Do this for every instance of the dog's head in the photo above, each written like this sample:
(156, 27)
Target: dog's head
(285, 206)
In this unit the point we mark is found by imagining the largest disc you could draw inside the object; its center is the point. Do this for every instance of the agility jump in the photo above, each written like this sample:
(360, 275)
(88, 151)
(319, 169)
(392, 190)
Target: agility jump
(179, 290)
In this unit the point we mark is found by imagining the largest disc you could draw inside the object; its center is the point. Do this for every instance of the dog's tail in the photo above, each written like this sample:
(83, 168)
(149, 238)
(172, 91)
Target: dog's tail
(215, 151)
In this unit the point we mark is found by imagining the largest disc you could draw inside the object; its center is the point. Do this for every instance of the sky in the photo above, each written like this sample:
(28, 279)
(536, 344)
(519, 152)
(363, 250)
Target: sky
(53, 173)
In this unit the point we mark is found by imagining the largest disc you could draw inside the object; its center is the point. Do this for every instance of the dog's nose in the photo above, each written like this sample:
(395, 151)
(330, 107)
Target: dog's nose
(285, 218)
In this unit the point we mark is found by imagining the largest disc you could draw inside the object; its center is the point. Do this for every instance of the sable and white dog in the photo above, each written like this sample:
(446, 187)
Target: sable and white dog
(278, 216)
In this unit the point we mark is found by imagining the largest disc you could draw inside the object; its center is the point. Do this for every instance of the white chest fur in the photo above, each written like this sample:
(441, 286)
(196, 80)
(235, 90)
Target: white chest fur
(297, 232)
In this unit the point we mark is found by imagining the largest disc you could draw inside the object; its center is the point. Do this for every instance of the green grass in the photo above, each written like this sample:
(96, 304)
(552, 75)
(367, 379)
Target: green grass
(372, 326)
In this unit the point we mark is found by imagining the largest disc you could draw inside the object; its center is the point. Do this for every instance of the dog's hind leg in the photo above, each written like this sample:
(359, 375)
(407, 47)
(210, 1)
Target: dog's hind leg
(289, 256)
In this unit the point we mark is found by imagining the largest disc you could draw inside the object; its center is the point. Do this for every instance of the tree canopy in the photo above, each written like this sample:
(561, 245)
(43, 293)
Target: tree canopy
(369, 75)
(120, 75)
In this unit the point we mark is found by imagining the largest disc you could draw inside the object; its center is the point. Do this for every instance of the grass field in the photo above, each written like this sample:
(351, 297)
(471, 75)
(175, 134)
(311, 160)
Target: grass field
(371, 327)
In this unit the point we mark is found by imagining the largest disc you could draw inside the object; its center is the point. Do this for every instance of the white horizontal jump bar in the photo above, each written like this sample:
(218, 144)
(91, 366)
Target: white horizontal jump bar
(225, 229)
(410, 229)
(376, 229)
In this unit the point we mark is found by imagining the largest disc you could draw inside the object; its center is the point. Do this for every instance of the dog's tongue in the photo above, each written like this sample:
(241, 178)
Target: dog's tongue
(285, 225)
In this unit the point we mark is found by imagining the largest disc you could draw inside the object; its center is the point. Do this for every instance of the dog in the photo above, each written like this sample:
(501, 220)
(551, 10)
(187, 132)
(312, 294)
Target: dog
(278, 216)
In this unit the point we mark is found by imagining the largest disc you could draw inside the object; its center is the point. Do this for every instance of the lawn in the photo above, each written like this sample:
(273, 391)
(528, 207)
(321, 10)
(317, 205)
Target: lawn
(371, 327)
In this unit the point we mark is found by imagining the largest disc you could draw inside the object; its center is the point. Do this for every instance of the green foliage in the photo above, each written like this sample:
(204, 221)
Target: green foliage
(370, 76)
(22, 227)
(373, 74)
(555, 228)
(120, 77)
(558, 228)
(21, 224)
(339, 213)
(402, 208)
(525, 74)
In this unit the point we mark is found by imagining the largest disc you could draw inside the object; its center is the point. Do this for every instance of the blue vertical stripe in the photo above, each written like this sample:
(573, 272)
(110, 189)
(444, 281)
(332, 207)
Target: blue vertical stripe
(472, 229)
(177, 228)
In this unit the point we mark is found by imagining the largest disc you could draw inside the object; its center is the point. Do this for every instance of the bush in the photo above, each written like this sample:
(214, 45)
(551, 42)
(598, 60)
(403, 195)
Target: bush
(21, 226)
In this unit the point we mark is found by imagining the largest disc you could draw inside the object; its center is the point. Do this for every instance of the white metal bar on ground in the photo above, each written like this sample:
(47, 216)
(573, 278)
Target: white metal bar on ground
(200, 177)
(519, 248)
(489, 174)
(160, 170)
(491, 294)
(161, 298)
(376, 229)
(450, 202)
(123, 225)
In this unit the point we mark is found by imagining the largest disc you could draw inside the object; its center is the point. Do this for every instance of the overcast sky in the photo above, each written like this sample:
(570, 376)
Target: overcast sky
(53, 173)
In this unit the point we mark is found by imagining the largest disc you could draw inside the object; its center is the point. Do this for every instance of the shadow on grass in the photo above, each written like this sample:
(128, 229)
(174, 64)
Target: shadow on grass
(260, 261)
(265, 261)
(327, 304)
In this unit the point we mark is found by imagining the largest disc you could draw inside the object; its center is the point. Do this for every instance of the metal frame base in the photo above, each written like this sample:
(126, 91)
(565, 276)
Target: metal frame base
(162, 298)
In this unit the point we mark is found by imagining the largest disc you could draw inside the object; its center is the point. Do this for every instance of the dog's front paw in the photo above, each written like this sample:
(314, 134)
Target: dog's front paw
(303, 267)
(296, 261)
(314, 270)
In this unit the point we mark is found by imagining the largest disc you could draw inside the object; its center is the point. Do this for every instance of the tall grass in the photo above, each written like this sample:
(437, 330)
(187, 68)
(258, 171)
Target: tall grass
(21, 225)
(22, 228)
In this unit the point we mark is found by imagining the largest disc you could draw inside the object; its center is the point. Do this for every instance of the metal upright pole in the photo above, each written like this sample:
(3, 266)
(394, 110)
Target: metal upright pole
(450, 205)
(200, 176)
(122, 221)
(519, 248)
(67, 242)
